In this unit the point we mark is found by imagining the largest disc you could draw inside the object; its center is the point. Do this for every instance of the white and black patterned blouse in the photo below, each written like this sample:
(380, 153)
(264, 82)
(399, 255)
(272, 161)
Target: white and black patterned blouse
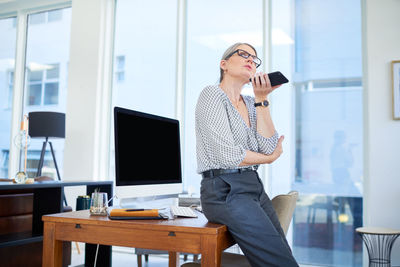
(222, 136)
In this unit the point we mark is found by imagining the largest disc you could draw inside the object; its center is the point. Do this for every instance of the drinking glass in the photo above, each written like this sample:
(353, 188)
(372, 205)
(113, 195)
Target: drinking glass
(98, 203)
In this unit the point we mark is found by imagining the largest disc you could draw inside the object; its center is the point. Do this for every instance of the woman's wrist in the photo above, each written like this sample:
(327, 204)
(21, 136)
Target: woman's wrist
(260, 98)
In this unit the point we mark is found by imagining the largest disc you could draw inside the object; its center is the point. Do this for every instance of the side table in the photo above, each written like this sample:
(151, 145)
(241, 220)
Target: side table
(379, 242)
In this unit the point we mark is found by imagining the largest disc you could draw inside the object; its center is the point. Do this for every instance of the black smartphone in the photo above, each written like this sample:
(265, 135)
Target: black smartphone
(276, 78)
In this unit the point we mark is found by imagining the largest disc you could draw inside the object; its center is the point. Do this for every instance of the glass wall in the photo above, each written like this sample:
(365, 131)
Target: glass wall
(46, 72)
(212, 26)
(322, 55)
(7, 62)
(144, 59)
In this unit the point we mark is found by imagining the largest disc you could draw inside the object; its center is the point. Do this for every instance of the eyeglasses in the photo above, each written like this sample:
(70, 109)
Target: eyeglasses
(246, 55)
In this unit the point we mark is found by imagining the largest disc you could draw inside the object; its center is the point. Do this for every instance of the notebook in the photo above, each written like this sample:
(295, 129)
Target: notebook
(135, 214)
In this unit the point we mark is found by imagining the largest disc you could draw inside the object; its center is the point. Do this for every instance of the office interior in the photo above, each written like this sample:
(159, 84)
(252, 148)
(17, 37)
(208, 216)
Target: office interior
(83, 57)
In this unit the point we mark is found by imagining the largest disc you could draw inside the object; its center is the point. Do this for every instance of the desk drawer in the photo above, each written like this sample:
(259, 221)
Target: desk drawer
(127, 237)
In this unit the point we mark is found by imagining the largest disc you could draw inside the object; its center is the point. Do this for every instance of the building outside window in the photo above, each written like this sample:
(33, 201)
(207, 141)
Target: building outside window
(43, 84)
(120, 69)
(47, 57)
(7, 63)
(46, 17)
(9, 99)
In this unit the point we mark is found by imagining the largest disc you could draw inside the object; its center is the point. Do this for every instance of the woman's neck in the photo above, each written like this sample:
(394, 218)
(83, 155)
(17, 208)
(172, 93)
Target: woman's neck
(232, 89)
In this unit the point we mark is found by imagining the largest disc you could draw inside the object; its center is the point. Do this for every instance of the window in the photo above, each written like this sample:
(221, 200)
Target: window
(7, 55)
(54, 15)
(8, 99)
(47, 56)
(145, 67)
(207, 40)
(43, 84)
(48, 16)
(120, 69)
(322, 56)
(37, 18)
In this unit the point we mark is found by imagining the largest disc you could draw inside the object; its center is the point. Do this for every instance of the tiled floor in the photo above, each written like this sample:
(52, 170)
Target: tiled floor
(125, 257)
(122, 257)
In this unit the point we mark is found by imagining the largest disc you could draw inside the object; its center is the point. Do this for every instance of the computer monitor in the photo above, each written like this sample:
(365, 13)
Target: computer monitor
(147, 155)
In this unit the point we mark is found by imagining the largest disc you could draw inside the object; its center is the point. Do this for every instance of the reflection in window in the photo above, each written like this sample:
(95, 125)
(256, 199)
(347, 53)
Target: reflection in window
(7, 54)
(326, 76)
(47, 55)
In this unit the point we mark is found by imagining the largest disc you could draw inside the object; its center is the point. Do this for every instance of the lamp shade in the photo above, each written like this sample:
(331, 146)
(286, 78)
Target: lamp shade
(47, 124)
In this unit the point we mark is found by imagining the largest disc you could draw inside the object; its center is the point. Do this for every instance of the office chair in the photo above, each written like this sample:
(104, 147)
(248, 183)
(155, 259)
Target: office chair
(284, 206)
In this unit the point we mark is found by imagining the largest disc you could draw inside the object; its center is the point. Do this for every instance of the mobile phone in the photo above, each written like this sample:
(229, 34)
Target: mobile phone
(276, 78)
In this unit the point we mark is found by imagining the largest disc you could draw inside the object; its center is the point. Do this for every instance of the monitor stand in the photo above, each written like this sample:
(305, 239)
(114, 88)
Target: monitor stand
(153, 202)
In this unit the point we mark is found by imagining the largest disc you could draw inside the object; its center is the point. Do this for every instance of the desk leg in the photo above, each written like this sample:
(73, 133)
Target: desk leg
(52, 248)
(173, 259)
(210, 252)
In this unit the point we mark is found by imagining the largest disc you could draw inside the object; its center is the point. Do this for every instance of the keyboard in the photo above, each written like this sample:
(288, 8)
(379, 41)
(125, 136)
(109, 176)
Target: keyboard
(183, 212)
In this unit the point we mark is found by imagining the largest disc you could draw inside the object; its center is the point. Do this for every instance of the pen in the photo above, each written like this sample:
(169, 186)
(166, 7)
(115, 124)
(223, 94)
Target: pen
(135, 210)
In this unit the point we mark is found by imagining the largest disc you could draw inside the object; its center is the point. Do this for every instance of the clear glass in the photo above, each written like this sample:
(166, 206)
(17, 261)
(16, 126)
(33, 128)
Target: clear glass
(7, 54)
(212, 26)
(98, 203)
(145, 59)
(47, 57)
(322, 57)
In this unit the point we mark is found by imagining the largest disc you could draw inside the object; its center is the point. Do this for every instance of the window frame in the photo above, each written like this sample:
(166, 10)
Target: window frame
(21, 23)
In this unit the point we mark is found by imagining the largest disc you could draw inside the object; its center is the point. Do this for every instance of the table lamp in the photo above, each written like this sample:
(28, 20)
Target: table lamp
(47, 125)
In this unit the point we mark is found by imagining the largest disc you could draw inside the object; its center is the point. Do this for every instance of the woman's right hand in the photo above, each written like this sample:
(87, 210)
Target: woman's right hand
(253, 158)
(278, 150)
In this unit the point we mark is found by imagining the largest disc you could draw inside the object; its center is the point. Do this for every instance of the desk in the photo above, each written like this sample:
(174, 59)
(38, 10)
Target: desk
(191, 235)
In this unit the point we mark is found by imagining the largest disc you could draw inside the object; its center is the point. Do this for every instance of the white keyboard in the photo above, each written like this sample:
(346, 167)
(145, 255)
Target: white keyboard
(183, 212)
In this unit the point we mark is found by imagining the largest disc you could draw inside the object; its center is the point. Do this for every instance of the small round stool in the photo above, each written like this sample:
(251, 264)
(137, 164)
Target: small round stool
(379, 242)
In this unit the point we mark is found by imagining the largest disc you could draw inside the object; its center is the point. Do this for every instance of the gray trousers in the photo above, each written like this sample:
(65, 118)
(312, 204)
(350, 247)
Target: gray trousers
(239, 201)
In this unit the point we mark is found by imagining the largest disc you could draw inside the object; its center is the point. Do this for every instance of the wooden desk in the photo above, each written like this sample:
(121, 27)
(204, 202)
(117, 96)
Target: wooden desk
(191, 235)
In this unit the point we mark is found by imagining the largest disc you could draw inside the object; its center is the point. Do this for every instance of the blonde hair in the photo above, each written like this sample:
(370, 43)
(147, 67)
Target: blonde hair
(227, 55)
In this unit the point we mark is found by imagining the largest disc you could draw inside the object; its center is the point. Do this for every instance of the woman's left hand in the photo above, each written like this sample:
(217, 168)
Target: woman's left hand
(262, 86)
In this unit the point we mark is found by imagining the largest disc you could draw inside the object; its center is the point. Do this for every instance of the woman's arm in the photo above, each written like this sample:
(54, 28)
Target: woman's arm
(254, 158)
(262, 88)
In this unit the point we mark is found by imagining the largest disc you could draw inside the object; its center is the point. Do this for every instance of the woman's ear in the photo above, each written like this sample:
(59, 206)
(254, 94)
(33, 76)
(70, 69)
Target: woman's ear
(222, 65)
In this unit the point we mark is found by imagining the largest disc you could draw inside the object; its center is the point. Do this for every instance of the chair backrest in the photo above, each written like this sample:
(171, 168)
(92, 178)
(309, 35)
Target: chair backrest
(284, 206)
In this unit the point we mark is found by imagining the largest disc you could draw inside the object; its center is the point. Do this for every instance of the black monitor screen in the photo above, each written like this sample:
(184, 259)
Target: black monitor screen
(147, 148)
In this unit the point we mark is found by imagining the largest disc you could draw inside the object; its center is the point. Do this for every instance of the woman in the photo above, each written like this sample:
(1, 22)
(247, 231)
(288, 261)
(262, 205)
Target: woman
(234, 134)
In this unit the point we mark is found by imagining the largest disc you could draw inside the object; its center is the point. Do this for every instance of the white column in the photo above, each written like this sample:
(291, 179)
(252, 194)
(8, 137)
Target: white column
(88, 109)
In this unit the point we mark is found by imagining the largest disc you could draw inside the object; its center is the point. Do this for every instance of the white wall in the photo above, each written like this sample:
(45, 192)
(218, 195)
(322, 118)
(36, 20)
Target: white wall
(382, 134)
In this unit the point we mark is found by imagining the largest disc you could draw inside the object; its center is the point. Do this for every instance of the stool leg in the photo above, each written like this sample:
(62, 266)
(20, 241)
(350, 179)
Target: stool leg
(379, 248)
(139, 260)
